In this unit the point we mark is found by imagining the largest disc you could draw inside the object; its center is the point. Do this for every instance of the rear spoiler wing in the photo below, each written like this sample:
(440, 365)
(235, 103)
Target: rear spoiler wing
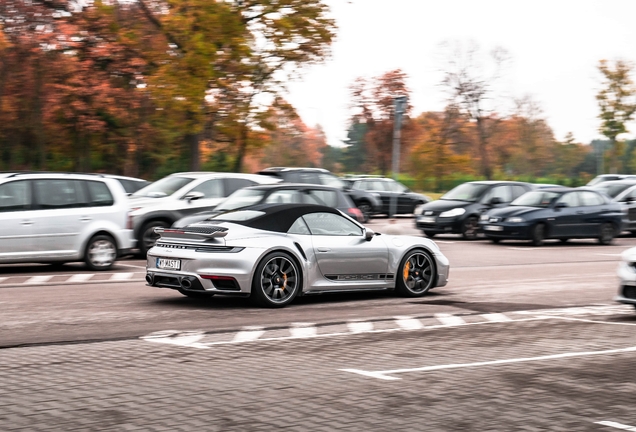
(203, 232)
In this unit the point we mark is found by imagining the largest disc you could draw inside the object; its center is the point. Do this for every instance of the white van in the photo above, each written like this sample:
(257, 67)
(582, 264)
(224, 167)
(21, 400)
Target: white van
(63, 217)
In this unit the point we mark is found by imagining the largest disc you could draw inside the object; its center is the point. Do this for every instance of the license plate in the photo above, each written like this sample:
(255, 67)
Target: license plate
(493, 228)
(428, 219)
(168, 264)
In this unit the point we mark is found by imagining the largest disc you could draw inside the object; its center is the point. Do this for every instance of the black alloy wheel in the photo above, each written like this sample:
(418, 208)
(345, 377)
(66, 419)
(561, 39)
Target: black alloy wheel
(416, 274)
(538, 234)
(469, 228)
(606, 233)
(148, 236)
(277, 280)
(365, 209)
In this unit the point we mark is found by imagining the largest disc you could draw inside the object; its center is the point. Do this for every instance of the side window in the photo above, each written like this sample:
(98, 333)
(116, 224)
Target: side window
(330, 180)
(569, 199)
(234, 184)
(517, 191)
(502, 192)
(210, 189)
(284, 196)
(323, 197)
(376, 185)
(591, 199)
(99, 194)
(59, 193)
(15, 196)
(299, 227)
(331, 225)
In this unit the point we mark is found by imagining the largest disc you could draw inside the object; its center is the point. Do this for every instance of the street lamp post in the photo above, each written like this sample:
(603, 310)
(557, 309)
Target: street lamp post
(399, 108)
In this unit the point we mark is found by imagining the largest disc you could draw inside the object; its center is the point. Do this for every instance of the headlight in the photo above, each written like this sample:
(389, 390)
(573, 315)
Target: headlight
(484, 217)
(454, 212)
(515, 220)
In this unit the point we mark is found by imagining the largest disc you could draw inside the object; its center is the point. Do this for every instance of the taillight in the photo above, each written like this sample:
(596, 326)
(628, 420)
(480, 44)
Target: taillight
(129, 222)
(357, 213)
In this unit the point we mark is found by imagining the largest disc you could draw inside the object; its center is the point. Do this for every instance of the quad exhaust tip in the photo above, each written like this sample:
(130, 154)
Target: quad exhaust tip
(186, 283)
(149, 279)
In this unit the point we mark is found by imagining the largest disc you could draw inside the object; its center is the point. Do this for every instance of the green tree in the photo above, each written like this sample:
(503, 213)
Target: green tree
(617, 103)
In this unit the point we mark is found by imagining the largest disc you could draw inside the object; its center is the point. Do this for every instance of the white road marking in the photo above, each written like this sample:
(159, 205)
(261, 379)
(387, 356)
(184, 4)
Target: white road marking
(2, 279)
(248, 334)
(121, 276)
(80, 277)
(360, 326)
(616, 425)
(143, 267)
(38, 279)
(385, 375)
(496, 317)
(302, 330)
(175, 337)
(449, 320)
(409, 323)
(612, 255)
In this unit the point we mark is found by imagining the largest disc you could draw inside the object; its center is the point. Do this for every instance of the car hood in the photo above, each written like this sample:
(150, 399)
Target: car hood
(142, 202)
(443, 205)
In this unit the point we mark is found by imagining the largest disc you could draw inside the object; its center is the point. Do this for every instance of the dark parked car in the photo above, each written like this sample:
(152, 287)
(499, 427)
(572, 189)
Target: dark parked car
(458, 211)
(627, 199)
(368, 203)
(282, 193)
(558, 213)
(388, 189)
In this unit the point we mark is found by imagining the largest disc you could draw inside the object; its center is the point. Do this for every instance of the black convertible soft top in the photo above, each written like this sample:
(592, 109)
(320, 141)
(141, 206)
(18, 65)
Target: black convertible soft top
(271, 217)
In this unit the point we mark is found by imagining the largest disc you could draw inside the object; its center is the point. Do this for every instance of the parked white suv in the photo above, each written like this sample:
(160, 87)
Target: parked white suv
(165, 201)
(63, 217)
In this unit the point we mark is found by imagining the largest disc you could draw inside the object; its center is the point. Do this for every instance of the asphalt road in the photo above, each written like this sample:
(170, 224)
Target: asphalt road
(522, 338)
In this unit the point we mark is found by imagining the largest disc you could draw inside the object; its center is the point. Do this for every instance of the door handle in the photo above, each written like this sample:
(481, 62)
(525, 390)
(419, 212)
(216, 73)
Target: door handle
(26, 222)
(323, 249)
(85, 219)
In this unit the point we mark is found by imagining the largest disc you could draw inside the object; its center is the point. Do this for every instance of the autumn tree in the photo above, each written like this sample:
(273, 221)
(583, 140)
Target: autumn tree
(617, 102)
(372, 103)
(470, 78)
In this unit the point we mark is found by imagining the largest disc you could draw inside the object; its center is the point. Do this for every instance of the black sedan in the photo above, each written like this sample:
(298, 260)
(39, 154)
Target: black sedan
(391, 192)
(458, 210)
(556, 213)
(280, 193)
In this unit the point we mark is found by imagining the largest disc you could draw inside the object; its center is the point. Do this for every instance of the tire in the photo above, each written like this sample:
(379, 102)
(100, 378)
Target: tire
(495, 240)
(429, 234)
(100, 252)
(538, 234)
(564, 240)
(147, 236)
(366, 210)
(469, 228)
(416, 274)
(606, 233)
(277, 280)
(196, 295)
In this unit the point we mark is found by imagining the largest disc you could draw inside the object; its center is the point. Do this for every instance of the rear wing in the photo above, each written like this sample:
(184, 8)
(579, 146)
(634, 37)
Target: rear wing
(193, 232)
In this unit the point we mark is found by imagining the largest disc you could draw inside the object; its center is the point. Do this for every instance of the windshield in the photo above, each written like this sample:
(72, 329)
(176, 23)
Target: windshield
(536, 199)
(613, 189)
(466, 192)
(164, 187)
(241, 198)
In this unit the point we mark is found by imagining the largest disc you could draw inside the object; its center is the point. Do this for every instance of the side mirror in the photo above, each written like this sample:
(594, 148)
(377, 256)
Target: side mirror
(191, 196)
(560, 205)
(496, 200)
(368, 234)
(629, 199)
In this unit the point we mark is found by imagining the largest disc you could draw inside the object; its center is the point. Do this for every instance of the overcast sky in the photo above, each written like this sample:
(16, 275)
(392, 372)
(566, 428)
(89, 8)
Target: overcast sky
(555, 47)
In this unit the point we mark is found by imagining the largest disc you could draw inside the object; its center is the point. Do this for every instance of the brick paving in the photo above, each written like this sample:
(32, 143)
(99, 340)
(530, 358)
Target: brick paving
(297, 384)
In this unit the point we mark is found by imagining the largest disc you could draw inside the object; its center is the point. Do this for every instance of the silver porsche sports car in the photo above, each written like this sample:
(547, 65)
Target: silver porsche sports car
(274, 252)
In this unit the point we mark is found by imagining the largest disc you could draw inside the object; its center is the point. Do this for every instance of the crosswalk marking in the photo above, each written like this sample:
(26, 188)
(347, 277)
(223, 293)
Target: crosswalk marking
(303, 330)
(248, 334)
(409, 323)
(360, 326)
(121, 276)
(80, 277)
(496, 317)
(38, 279)
(448, 319)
